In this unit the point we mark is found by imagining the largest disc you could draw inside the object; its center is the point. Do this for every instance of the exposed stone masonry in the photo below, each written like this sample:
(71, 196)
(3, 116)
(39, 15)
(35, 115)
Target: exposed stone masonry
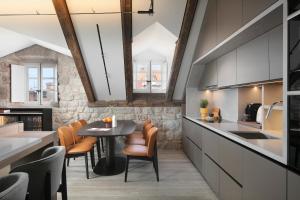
(73, 103)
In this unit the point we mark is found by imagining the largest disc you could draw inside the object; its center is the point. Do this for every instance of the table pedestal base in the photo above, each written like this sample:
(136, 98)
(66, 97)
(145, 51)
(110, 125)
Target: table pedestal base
(117, 167)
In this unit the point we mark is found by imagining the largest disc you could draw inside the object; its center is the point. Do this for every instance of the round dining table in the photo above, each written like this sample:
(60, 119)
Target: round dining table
(111, 164)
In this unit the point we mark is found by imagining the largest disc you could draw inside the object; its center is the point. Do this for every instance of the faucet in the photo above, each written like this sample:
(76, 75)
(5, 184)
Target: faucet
(271, 108)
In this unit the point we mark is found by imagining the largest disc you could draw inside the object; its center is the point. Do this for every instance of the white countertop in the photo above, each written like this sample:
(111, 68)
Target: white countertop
(272, 148)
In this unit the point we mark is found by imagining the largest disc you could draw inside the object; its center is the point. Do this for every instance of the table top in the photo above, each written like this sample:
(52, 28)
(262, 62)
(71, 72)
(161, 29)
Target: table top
(124, 127)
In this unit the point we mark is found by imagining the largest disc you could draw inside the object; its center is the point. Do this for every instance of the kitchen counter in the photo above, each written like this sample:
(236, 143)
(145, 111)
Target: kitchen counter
(15, 146)
(272, 148)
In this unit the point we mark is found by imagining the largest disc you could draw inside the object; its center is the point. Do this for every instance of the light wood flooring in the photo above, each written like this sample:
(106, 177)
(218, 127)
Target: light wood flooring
(179, 180)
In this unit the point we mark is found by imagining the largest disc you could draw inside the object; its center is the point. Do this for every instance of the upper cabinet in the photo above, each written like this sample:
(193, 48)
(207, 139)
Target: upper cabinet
(229, 18)
(208, 33)
(252, 8)
(276, 52)
(253, 61)
(227, 69)
(210, 75)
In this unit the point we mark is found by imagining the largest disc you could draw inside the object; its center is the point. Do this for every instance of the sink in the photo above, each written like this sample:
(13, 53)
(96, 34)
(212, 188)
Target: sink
(252, 135)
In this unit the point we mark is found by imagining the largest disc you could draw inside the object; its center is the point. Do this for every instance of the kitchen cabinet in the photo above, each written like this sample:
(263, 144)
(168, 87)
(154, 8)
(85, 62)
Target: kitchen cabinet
(211, 173)
(229, 190)
(193, 131)
(293, 182)
(229, 18)
(262, 179)
(252, 8)
(211, 145)
(210, 75)
(231, 158)
(208, 33)
(226, 66)
(253, 61)
(276, 52)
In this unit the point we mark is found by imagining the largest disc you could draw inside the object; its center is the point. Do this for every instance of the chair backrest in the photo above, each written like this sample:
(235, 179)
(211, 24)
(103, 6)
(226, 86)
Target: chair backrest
(83, 122)
(76, 126)
(145, 132)
(65, 135)
(44, 174)
(152, 136)
(147, 121)
(14, 186)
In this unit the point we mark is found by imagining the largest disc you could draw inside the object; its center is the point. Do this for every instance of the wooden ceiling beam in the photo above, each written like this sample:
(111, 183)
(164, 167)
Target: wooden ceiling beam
(187, 22)
(66, 24)
(126, 18)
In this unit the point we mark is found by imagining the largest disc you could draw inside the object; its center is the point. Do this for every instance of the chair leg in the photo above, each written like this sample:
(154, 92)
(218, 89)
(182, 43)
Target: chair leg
(98, 149)
(86, 166)
(155, 165)
(68, 162)
(126, 168)
(92, 157)
(102, 144)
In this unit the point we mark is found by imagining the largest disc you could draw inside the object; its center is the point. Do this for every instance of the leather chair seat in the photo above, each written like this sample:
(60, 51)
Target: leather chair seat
(135, 134)
(90, 140)
(135, 150)
(136, 141)
(80, 148)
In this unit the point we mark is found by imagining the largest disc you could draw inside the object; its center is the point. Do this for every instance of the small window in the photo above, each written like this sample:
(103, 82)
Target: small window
(150, 77)
(40, 83)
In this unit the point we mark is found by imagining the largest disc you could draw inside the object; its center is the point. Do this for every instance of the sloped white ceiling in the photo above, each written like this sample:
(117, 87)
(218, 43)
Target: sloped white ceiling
(7, 46)
(44, 30)
(168, 13)
(111, 36)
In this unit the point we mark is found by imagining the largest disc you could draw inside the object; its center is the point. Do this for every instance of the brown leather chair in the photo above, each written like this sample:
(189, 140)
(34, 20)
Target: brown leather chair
(139, 134)
(79, 139)
(84, 123)
(73, 149)
(141, 152)
(138, 140)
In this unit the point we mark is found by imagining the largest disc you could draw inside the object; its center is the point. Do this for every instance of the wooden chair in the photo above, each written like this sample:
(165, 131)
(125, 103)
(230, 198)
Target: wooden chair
(84, 123)
(74, 150)
(138, 140)
(139, 134)
(141, 152)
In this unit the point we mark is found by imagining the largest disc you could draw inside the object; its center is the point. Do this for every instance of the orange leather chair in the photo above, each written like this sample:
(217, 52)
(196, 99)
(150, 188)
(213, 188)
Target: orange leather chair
(73, 150)
(79, 139)
(84, 123)
(148, 152)
(139, 134)
(138, 140)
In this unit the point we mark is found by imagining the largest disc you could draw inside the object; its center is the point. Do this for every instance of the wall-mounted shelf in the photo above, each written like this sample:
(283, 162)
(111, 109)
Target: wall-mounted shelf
(262, 23)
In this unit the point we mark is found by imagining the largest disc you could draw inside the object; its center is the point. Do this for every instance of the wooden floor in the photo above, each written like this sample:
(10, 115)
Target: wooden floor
(179, 180)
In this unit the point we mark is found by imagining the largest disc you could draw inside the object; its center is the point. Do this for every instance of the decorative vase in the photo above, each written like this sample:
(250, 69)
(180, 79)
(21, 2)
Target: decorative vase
(203, 113)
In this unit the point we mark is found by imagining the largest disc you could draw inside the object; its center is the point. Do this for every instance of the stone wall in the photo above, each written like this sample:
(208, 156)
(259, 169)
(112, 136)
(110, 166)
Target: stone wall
(4, 83)
(73, 103)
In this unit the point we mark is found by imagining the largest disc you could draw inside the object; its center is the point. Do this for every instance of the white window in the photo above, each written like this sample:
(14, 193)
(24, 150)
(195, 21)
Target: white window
(150, 76)
(40, 83)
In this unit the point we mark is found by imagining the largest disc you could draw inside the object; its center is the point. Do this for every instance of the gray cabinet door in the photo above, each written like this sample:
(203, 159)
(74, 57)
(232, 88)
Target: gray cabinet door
(211, 145)
(211, 74)
(253, 61)
(227, 69)
(229, 190)
(262, 179)
(251, 8)
(231, 159)
(197, 157)
(293, 183)
(276, 52)
(208, 34)
(211, 173)
(192, 131)
(229, 18)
